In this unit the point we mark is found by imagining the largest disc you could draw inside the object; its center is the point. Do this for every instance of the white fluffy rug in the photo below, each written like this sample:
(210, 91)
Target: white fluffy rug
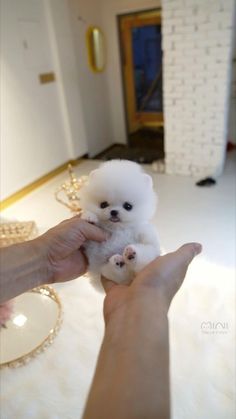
(203, 344)
(55, 384)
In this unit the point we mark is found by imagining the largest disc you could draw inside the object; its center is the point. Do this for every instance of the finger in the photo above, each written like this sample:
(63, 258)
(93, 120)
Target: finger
(70, 268)
(180, 263)
(162, 266)
(107, 284)
(90, 231)
(187, 252)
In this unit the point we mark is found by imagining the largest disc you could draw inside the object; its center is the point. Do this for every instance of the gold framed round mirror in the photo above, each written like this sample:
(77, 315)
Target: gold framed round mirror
(32, 327)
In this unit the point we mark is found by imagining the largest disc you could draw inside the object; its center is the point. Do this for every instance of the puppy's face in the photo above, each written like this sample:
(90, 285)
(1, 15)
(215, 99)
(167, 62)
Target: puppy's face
(122, 196)
(107, 207)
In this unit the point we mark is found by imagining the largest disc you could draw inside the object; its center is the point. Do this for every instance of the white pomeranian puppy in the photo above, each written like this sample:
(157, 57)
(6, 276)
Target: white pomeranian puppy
(119, 198)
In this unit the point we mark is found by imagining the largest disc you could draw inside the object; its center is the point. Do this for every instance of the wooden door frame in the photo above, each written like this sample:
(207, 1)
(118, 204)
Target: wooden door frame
(141, 14)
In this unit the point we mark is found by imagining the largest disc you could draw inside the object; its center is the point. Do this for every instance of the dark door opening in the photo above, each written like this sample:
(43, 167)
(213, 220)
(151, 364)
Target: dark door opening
(141, 61)
(147, 68)
(141, 64)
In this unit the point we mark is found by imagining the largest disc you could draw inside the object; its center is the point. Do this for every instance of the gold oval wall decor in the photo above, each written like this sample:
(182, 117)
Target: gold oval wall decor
(96, 49)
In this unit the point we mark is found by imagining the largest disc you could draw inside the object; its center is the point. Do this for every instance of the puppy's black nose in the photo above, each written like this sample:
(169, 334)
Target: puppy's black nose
(114, 213)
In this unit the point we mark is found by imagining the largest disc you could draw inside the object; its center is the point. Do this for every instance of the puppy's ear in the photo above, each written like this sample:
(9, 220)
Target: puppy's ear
(148, 181)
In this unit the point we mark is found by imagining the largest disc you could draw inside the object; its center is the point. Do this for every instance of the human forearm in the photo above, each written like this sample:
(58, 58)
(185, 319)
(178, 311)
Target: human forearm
(22, 267)
(53, 257)
(132, 375)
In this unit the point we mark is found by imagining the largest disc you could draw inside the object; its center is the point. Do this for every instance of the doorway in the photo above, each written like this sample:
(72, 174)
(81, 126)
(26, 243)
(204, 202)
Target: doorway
(141, 63)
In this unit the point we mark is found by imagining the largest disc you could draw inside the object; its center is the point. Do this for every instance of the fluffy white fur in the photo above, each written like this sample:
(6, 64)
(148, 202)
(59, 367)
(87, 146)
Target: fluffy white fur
(119, 197)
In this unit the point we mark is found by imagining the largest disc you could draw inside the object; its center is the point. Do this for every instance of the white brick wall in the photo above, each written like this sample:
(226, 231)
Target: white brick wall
(197, 42)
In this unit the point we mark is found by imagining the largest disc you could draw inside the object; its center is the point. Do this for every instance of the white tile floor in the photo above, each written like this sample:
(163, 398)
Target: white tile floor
(202, 364)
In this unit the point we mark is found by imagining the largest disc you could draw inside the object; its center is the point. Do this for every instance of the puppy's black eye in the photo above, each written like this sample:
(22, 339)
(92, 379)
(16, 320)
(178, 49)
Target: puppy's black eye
(104, 204)
(127, 206)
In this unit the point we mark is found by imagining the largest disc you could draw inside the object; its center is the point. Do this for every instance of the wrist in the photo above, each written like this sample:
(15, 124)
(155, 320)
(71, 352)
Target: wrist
(23, 267)
(40, 251)
(139, 310)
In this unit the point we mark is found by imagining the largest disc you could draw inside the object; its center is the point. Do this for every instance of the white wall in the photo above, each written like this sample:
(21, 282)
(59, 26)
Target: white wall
(38, 124)
(110, 9)
(232, 108)
(64, 56)
(197, 44)
(232, 105)
(93, 86)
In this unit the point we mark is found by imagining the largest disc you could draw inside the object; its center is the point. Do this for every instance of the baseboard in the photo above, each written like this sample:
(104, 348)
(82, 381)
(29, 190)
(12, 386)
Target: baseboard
(5, 203)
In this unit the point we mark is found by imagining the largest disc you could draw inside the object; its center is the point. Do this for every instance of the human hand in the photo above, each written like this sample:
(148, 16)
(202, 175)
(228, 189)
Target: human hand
(158, 281)
(62, 247)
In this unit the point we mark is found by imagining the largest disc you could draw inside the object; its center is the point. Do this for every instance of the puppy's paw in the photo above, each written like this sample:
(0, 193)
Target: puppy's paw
(117, 261)
(130, 254)
(89, 217)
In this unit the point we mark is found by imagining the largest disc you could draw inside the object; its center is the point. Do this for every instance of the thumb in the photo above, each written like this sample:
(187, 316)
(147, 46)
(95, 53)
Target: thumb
(167, 272)
(187, 252)
(177, 266)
